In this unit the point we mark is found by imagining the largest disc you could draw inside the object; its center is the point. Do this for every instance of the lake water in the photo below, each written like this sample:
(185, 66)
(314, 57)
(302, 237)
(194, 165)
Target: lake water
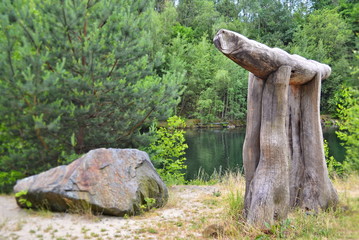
(214, 149)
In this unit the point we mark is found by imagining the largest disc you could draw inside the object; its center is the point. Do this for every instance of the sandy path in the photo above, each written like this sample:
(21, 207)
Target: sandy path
(189, 210)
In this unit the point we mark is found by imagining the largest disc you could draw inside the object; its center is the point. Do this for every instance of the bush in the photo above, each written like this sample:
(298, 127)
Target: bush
(348, 111)
(167, 151)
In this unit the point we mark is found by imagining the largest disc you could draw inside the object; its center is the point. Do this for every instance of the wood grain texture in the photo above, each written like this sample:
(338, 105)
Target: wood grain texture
(251, 146)
(317, 190)
(269, 188)
(262, 60)
(283, 153)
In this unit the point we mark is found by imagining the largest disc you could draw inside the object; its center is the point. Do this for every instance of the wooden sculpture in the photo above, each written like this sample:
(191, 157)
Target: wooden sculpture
(283, 153)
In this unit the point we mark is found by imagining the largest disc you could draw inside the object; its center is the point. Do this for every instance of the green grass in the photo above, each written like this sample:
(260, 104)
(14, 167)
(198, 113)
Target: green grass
(339, 223)
(203, 178)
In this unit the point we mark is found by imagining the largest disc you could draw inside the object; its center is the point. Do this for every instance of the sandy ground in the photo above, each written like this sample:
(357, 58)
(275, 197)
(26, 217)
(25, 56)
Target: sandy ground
(189, 210)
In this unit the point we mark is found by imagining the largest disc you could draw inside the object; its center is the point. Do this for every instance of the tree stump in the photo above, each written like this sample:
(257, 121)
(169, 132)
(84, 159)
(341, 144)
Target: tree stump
(283, 153)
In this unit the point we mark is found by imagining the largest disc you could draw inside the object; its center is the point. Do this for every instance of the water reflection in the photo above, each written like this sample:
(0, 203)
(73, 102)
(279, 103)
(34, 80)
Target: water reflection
(211, 149)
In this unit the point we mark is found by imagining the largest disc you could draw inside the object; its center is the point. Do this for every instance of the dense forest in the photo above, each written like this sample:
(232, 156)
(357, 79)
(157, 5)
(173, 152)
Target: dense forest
(77, 75)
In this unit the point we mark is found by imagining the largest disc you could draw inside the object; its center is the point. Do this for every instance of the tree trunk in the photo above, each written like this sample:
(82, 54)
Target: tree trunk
(283, 152)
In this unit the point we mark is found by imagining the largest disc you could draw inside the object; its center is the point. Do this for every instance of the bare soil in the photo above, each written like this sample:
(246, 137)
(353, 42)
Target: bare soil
(189, 210)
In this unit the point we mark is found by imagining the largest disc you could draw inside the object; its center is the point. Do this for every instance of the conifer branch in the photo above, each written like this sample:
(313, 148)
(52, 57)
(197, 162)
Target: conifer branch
(28, 34)
(41, 139)
(85, 34)
(113, 67)
(11, 65)
(50, 67)
(67, 31)
(130, 132)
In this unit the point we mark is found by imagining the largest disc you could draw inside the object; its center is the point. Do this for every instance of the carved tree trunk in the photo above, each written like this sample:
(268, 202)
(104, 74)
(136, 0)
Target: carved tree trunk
(283, 152)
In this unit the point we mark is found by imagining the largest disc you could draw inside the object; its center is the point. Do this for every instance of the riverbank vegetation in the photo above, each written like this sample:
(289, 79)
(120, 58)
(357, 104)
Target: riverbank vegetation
(79, 75)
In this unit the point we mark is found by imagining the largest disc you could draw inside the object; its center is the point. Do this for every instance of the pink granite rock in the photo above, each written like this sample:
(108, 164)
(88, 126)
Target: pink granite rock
(109, 181)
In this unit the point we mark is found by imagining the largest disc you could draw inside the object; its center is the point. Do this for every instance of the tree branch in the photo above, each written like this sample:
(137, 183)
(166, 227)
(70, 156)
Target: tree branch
(130, 132)
(67, 31)
(113, 67)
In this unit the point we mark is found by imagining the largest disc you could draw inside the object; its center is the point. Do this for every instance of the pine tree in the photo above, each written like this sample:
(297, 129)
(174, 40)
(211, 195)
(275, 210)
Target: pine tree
(77, 75)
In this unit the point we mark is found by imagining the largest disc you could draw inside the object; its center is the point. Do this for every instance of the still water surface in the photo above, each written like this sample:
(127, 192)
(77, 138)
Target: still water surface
(210, 149)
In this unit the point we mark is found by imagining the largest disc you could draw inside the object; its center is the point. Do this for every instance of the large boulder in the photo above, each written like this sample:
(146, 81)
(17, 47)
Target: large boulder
(109, 181)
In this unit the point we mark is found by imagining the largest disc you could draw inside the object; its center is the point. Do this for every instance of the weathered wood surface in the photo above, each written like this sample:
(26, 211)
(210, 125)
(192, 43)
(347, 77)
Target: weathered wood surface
(269, 189)
(317, 190)
(283, 153)
(262, 60)
(251, 146)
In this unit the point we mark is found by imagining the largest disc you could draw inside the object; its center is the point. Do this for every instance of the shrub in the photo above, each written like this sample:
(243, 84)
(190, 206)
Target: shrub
(168, 149)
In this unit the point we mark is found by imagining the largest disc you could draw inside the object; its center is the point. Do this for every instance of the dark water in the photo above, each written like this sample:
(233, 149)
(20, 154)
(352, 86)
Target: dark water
(210, 149)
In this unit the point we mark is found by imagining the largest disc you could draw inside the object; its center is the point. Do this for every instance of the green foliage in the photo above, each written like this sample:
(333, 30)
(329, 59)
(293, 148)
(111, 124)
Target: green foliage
(208, 106)
(279, 229)
(203, 178)
(262, 18)
(78, 75)
(324, 37)
(8, 179)
(200, 15)
(348, 110)
(22, 199)
(236, 205)
(149, 203)
(335, 168)
(168, 150)
(216, 88)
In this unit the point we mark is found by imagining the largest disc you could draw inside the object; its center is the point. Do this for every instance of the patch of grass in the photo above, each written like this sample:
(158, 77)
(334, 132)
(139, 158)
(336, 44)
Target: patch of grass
(203, 178)
(235, 201)
(172, 201)
(43, 212)
(152, 230)
(19, 225)
(3, 224)
(210, 202)
(339, 223)
(217, 193)
(200, 182)
(195, 225)
(48, 229)
(179, 224)
(13, 236)
(84, 230)
(141, 230)
(81, 207)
